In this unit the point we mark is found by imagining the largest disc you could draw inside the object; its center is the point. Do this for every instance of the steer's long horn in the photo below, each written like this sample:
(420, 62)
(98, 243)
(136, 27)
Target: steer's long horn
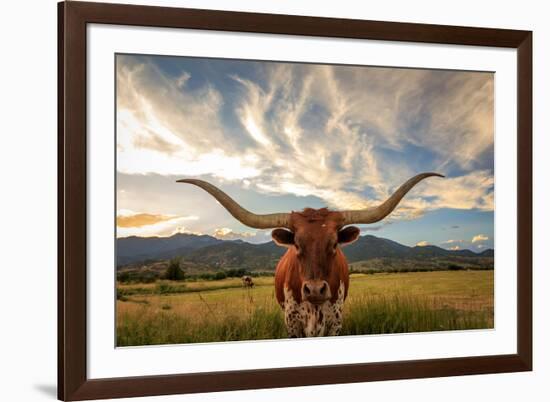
(371, 215)
(280, 220)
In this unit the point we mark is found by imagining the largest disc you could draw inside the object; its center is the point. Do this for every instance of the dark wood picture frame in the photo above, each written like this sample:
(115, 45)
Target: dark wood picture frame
(73, 383)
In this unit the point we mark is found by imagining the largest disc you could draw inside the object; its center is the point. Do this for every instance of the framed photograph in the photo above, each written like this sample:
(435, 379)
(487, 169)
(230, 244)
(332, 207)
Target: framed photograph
(254, 200)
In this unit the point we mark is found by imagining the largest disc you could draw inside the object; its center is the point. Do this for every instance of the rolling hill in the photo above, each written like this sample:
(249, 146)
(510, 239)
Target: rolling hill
(138, 249)
(204, 250)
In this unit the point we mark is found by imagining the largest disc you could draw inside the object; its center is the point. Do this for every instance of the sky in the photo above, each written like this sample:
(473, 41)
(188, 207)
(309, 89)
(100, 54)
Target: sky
(280, 136)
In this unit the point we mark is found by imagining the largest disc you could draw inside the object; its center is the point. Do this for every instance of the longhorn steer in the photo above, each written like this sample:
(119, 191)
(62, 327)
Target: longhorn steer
(312, 278)
(247, 281)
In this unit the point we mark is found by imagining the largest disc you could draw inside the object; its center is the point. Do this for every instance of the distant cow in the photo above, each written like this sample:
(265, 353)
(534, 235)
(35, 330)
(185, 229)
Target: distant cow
(312, 278)
(247, 281)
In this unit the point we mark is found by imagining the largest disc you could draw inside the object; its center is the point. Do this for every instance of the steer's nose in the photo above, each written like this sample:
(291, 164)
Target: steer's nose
(316, 291)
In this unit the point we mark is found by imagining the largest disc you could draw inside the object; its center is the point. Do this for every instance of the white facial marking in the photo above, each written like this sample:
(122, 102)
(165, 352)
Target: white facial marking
(308, 320)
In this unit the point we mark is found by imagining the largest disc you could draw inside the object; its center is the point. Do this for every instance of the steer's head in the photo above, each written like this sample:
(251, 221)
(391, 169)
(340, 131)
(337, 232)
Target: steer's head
(314, 236)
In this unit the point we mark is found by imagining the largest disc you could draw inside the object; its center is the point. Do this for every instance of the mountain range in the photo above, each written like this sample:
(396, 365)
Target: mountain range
(210, 251)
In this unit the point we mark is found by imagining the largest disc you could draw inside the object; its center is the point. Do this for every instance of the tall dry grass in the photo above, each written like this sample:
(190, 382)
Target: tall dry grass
(377, 304)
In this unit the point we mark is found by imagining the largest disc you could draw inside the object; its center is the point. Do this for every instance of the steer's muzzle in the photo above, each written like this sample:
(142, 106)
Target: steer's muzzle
(316, 291)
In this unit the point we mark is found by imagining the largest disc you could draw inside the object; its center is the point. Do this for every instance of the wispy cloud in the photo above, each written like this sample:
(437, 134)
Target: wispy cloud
(452, 241)
(347, 136)
(165, 128)
(470, 191)
(374, 228)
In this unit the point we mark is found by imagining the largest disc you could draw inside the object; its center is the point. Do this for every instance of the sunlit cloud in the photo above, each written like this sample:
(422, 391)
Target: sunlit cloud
(479, 237)
(452, 241)
(470, 191)
(164, 128)
(143, 219)
(130, 223)
(229, 234)
(255, 131)
(454, 248)
(423, 243)
(345, 136)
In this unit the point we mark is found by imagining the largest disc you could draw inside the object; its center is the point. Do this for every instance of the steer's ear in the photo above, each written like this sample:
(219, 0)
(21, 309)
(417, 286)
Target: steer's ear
(283, 237)
(348, 235)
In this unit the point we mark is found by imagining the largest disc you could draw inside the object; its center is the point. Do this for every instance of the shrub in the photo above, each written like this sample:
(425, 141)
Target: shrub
(174, 272)
(124, 277)
(164, 288)
(146, 276)
(220, 275)
(236, 272)
(120, 295)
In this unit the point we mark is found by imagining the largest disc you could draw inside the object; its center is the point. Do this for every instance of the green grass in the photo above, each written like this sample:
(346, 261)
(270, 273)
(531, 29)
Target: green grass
(376, 304)
(178, 287)
(409, 314)
(170, 328)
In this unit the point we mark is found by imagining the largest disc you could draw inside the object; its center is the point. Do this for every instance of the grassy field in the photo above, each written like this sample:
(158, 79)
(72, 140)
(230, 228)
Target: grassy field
(213, 311)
